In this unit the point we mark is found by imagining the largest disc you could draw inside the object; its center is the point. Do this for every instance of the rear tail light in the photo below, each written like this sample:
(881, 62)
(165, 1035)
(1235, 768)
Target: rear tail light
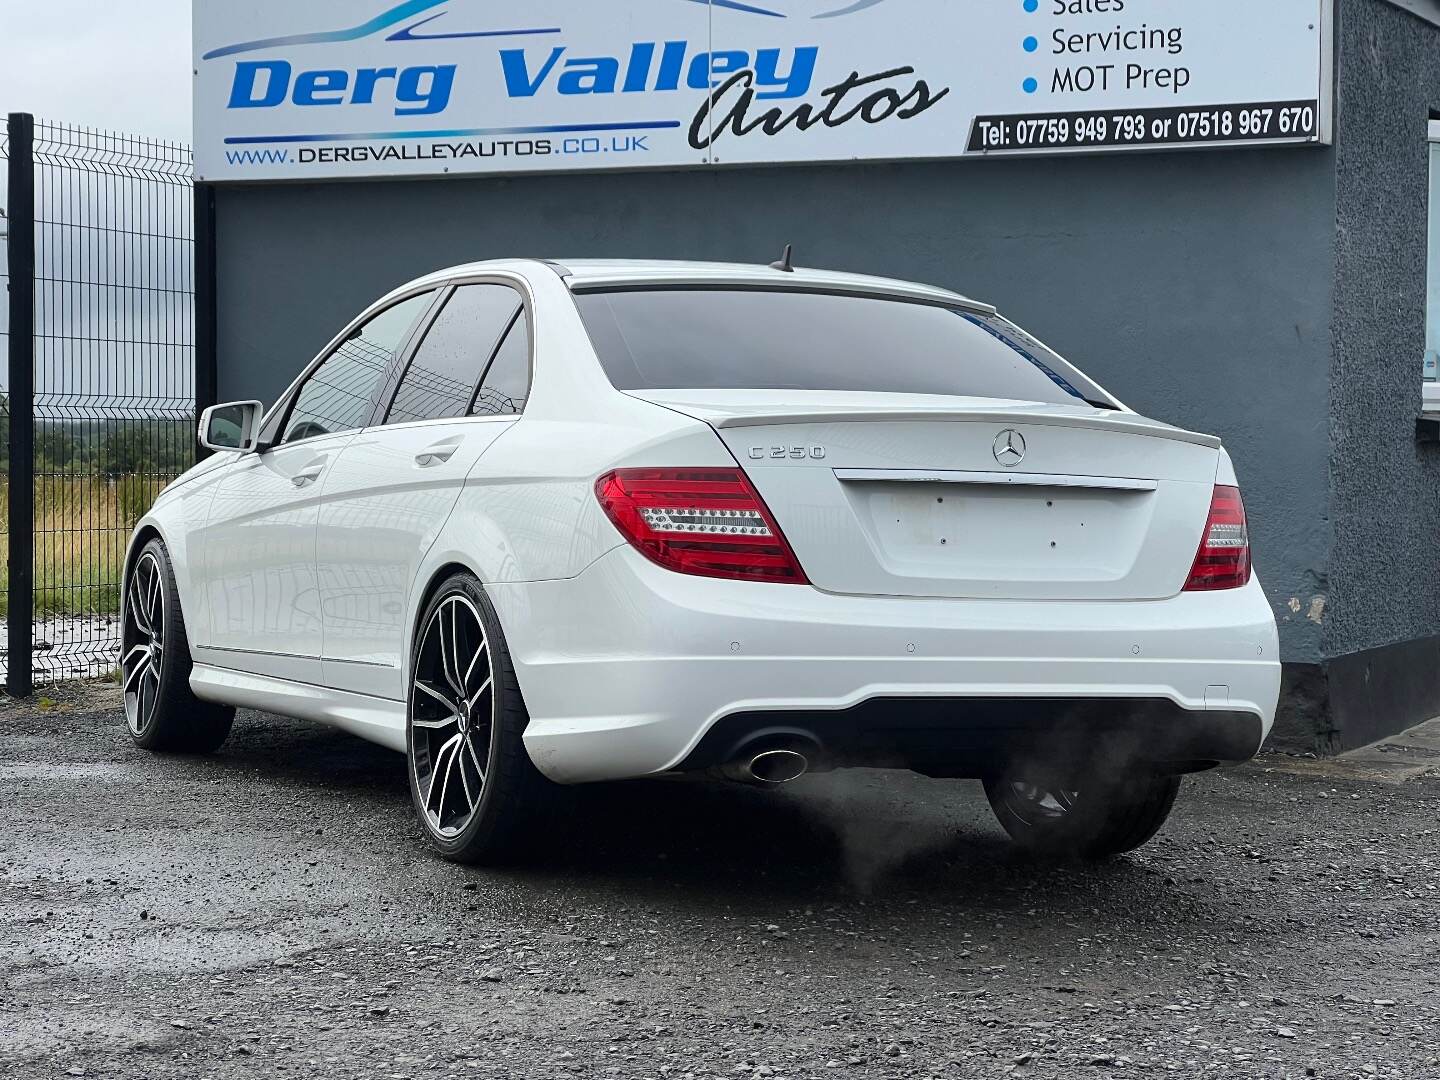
(1224, 558)
(709, 522)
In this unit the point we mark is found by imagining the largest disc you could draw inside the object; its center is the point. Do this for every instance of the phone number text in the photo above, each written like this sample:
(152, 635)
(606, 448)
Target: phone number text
(1294, 121)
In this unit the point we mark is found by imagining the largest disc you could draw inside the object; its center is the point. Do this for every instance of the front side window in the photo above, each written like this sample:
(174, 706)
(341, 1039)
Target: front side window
(507, 382)
(441, 379)
(340, 393)
(771, 339)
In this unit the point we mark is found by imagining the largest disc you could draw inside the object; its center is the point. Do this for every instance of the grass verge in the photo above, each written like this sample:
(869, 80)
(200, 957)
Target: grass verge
(82, 524)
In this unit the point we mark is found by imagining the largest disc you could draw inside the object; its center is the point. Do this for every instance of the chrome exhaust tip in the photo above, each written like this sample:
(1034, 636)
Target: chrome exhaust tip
(777, 766)
(773, 758)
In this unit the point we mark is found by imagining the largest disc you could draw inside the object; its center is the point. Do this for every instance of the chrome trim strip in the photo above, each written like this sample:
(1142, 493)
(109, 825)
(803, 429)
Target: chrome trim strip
(260, 652)
(1001, 479)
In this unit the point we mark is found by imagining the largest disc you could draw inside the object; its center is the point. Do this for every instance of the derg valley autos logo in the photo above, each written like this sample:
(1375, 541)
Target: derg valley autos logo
(536, 62)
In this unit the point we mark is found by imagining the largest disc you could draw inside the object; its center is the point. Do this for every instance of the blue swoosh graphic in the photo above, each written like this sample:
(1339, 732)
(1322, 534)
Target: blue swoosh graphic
(408, 33)
(411, 8)
(859, 5)
(383, 21)
(736, 5)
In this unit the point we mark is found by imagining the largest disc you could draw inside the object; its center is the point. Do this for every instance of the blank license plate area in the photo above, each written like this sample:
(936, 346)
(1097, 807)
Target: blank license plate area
(984, 532)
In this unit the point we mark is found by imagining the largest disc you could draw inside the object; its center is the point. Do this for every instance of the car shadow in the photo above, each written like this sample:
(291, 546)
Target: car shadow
(854, 835)
(846, 836)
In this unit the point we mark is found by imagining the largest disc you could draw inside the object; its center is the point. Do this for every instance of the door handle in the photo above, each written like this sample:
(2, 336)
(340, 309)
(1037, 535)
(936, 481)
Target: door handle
(437, 454)
(308, 476)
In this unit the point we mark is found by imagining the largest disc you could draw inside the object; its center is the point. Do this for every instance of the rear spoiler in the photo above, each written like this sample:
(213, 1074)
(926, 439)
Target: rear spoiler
(1128, 423)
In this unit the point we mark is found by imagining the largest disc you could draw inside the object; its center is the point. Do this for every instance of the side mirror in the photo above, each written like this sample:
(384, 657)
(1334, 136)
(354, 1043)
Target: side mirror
(233, 427)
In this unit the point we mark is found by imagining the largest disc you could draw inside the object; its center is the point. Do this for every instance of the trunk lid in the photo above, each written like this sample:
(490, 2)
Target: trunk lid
(923, 496)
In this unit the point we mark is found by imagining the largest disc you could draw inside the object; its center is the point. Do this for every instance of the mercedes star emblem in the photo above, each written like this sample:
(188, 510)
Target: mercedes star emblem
(1009, 448)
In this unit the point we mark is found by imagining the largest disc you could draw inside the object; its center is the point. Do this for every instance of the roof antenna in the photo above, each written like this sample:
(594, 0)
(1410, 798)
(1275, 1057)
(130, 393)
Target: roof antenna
(785, 264)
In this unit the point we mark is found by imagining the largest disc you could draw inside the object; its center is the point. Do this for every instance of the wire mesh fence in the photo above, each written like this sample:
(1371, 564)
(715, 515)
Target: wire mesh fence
(113, 371)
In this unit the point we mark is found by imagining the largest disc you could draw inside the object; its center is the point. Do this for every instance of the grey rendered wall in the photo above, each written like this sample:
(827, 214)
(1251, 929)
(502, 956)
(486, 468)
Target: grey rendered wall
(1196, 286)
(1385, 568)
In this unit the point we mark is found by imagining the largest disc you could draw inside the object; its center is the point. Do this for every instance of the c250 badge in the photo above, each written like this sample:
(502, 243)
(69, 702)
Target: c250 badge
(798, 453)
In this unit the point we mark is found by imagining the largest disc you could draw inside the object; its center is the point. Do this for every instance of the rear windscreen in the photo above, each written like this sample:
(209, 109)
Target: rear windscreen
(735, 339)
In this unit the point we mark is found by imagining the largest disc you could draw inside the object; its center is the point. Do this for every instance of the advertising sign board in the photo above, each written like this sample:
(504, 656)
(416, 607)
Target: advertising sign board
(335, 89)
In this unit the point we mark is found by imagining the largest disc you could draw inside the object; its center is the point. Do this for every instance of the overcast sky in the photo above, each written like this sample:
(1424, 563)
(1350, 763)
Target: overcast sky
(117, 64)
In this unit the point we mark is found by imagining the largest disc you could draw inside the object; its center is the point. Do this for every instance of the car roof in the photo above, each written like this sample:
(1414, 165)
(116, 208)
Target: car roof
(585, 274)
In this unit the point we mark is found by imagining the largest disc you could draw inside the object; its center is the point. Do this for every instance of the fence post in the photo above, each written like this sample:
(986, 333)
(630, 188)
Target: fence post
(207, 364)
(19, 675)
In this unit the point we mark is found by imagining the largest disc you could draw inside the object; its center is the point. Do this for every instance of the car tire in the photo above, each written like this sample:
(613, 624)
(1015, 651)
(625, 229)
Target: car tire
(1091, 817)
(162, 713)
(478, 796)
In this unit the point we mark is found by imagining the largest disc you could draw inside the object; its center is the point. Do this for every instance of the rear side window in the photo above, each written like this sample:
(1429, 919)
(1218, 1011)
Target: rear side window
(697, 339)
(340, 393)
(507, 383)
(441, 379)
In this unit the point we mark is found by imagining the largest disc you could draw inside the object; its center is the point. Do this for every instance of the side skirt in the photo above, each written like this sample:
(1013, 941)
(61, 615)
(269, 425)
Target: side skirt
(375, 719)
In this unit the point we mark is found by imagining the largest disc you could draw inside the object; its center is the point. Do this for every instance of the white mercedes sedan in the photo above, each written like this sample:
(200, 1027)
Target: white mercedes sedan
(535, 523)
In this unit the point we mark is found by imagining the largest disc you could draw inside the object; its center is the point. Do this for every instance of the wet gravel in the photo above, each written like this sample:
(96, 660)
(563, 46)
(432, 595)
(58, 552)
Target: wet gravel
(271, 911)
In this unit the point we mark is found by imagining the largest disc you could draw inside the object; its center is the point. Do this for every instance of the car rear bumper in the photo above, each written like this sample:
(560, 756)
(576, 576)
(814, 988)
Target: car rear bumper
(630, 670)
(979, 737)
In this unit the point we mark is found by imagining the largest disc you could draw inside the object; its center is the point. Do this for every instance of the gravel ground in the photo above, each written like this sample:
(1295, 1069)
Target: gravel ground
(270, 912)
